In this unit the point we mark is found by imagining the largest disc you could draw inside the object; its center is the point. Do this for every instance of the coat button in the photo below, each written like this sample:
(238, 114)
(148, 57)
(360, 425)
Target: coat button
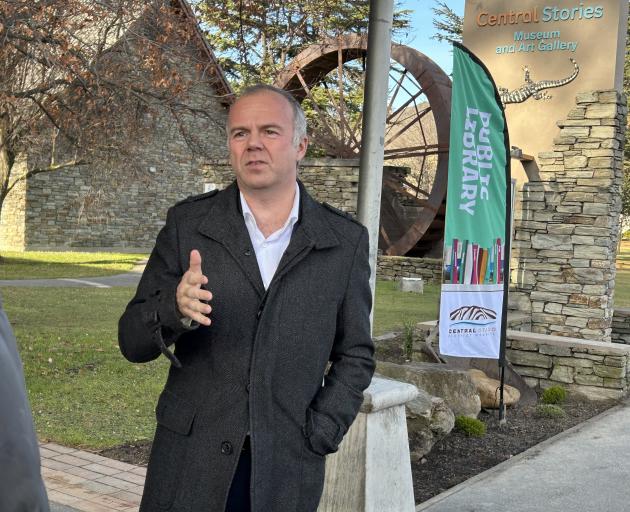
(248, 252)
(226, 448)
(247, 388)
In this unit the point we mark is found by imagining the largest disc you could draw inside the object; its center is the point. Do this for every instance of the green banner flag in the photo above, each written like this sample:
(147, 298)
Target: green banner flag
(476, 239)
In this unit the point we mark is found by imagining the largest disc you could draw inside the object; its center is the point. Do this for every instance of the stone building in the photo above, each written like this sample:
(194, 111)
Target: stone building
(83, 207)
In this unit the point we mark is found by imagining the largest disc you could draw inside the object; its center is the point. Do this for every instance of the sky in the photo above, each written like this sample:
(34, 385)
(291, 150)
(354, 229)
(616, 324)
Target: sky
(422, 30)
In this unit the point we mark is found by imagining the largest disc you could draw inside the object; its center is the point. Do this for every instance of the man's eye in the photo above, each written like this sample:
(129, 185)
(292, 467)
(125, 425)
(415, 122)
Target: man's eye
(272, 132)
(238, 135)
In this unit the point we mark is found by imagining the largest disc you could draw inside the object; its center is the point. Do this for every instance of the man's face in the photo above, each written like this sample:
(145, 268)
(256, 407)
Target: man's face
(260, 138)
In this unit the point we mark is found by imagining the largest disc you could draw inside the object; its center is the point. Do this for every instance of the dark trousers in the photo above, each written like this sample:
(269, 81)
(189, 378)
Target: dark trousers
(238, 498)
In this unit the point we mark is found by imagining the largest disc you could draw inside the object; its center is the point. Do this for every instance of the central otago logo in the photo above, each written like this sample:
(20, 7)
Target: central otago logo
(472, 320)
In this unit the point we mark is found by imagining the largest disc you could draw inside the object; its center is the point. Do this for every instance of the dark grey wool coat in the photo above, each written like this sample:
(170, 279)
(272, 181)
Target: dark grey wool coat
(259, 366)
(21, 485)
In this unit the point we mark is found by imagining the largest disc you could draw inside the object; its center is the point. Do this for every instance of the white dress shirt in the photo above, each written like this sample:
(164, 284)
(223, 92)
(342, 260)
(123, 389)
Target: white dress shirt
(269, 250)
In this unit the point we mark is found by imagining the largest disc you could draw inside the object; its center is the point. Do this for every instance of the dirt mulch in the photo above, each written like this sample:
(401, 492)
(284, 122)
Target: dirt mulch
(136, 453)
(458, 457)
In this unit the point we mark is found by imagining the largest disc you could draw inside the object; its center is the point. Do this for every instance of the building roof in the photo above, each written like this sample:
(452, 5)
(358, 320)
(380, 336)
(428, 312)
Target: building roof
(223, 87)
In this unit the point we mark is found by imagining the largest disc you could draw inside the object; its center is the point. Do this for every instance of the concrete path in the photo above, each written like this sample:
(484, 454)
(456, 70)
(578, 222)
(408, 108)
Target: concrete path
(583, 469)
(80, 481)
(130, 278)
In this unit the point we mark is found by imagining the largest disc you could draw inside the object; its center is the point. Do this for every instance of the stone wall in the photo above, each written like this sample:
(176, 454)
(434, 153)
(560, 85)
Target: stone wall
(116, 204)
(395, 267)
(81, 208)
(595, 369)
(331, 180)
(86, 207)
(621, 325)
(566, 232)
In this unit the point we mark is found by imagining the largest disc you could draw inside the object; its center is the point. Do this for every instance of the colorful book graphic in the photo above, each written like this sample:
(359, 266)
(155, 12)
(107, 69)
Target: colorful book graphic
(499, 249)
(474, 278)
(466, 262)
(483, 263)
(448, 264)
(462, 265)
(455, 265)
(468, 271)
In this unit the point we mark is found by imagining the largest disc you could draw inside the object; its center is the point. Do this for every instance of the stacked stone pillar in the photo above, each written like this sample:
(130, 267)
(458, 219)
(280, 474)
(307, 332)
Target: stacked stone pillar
(13, 214)
(567, 228)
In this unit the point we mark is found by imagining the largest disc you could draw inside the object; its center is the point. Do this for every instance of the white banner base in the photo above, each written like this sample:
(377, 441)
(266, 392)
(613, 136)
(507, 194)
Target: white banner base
(470, 320)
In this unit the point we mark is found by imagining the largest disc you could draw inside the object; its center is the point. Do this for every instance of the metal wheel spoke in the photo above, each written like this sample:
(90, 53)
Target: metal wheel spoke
(416, 132)
(395, 93)
(340, 87)
(416, 118)
(351, 141)
(321, 114)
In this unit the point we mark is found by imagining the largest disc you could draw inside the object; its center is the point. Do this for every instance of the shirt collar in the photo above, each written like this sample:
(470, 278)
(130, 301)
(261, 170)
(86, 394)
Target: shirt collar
(293, 214)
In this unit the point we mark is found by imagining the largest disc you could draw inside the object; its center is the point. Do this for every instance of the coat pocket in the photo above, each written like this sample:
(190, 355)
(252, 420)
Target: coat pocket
(170, 447)
(174, 413)
(322, 434)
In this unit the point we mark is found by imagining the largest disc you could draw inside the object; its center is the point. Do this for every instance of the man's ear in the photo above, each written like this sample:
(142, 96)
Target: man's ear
(302, 147)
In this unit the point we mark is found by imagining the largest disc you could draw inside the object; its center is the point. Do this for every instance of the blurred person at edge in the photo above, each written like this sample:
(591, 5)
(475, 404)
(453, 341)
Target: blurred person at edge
(21, 485)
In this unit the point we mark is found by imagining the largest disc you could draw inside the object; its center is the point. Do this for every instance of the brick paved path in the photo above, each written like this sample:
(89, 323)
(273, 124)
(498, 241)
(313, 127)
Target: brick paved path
(88, 482)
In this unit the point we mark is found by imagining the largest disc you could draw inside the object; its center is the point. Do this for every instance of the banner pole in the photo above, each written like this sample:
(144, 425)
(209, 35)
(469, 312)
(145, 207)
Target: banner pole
(502, 419)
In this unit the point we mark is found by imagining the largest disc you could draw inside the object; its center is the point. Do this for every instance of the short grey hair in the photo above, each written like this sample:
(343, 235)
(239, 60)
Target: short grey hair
(299, 119)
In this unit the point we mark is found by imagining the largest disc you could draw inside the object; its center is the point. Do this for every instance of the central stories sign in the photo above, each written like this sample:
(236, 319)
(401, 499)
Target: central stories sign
(542, 54)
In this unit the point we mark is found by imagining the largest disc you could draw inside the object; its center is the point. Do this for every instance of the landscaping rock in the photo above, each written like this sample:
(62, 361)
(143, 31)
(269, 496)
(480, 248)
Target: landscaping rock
(455, 387)
(429, 419)
(412, 284)
(488, 390)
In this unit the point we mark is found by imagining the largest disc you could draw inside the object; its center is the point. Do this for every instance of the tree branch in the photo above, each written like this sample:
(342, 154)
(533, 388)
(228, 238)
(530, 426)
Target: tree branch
(50, 168)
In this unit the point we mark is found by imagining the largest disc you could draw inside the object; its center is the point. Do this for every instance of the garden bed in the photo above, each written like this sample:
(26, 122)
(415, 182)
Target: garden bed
(457, 457)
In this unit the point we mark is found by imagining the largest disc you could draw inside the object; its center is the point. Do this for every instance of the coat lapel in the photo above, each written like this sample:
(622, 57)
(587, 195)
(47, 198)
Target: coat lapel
(310, 232)
(224, 223)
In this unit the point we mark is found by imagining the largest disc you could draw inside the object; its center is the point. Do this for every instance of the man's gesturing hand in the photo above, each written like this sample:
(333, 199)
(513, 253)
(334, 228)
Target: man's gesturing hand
(189, 292)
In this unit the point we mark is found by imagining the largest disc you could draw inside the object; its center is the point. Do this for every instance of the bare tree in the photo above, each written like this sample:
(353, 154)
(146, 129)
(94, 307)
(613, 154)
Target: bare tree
(78, 79)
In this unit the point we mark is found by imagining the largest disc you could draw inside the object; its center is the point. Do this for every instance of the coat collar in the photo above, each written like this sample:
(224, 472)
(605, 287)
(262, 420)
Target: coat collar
(224, 223)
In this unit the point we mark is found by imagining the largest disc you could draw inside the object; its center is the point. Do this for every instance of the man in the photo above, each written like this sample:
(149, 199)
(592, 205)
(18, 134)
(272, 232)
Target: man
(21, 485)
(258, 287)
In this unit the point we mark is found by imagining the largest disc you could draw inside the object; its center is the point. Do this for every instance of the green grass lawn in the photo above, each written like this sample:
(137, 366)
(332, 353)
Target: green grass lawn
(82, 391)
(622, 281)
(393, 308)
(38, 265)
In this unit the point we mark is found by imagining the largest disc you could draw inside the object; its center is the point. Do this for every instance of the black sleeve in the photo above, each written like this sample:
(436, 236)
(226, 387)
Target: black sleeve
(151, 322)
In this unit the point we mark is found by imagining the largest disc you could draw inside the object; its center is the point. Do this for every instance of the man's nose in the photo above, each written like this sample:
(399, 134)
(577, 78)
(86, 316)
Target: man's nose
(254, 141)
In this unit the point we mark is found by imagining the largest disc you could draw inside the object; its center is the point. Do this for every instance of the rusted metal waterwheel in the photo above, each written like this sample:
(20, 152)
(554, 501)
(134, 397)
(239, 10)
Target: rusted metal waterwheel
(328, 78)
